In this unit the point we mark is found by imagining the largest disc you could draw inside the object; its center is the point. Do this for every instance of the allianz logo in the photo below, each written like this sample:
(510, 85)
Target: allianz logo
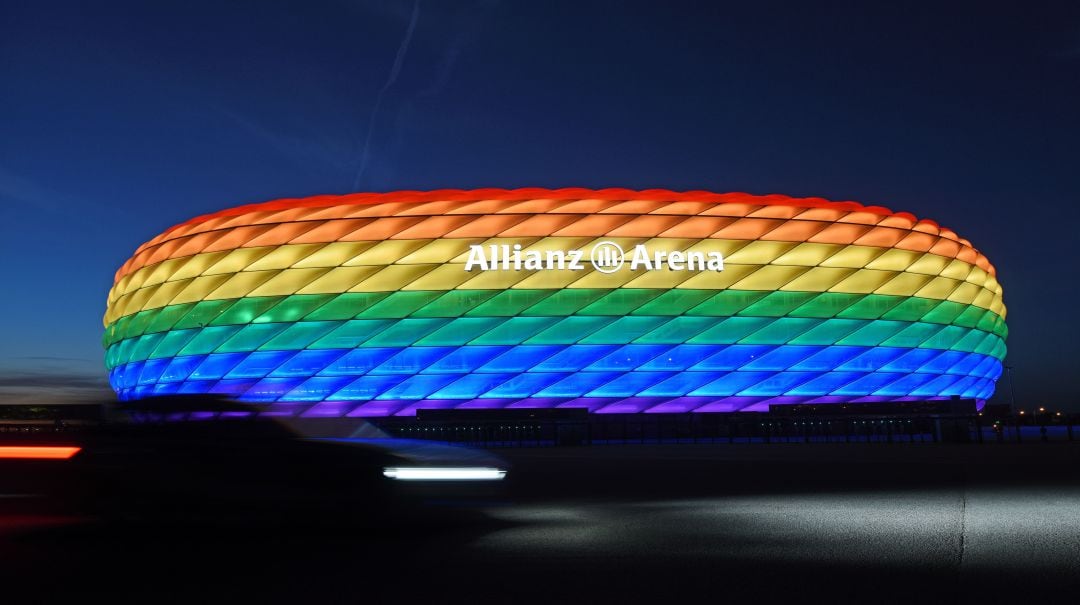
(605, 257)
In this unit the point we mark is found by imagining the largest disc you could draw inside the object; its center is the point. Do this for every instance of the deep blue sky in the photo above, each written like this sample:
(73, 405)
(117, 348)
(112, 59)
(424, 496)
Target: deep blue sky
(118, 120)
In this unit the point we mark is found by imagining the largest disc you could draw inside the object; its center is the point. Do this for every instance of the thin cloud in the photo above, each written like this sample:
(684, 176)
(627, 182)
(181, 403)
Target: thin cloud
(48, 388)
(395, 69)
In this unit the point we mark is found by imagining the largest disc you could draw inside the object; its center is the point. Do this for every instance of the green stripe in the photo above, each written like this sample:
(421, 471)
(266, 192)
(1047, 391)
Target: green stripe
(586, 329)
(532, 303)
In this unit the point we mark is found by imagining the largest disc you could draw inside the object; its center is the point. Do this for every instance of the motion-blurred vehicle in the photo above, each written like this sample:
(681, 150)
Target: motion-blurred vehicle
(206, 458)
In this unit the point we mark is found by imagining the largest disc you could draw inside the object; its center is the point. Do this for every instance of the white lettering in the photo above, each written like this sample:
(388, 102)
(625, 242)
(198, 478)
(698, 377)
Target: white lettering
(575, 257)
(640, 259)
(604, 257)
(476, 258)
(534, 260)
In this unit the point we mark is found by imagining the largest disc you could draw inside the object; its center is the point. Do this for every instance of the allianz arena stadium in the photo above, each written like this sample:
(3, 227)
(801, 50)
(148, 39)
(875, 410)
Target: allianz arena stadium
(618, 301)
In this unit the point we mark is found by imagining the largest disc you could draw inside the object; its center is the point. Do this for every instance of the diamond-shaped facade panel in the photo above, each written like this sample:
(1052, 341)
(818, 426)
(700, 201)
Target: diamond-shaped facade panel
(615, 300)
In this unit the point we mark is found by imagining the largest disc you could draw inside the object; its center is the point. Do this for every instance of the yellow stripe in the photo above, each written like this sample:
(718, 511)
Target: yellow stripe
(439, 265)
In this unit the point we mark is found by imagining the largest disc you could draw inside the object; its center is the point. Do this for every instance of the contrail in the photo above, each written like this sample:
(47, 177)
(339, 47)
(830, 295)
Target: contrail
(394, 71)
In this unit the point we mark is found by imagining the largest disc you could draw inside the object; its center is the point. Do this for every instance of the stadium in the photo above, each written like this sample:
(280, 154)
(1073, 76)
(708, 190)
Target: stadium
(618, 301)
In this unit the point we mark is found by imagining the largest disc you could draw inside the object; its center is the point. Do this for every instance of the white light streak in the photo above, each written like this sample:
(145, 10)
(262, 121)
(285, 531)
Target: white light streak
(444, 473)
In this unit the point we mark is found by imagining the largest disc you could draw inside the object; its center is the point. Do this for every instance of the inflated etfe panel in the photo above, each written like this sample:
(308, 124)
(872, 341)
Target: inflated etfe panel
(615, 300)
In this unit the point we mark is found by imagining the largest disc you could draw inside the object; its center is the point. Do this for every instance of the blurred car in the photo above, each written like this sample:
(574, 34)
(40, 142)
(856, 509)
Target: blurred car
(206, 458)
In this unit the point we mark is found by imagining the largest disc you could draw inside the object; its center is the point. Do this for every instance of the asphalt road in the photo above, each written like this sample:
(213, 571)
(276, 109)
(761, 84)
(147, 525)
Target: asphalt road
(876, 523)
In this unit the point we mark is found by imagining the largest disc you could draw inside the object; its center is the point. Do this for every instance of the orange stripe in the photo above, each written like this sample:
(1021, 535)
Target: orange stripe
(38, 452)
(595, 225)
(181, 239)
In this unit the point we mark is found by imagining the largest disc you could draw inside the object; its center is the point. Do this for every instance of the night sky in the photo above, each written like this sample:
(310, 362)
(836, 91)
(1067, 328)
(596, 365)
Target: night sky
(119, 120)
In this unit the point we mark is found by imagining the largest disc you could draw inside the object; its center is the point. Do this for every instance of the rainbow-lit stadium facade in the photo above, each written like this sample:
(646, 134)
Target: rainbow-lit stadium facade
(380, 304)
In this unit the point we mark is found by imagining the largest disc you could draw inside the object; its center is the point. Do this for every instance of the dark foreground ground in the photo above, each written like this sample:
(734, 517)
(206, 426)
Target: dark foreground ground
(619, 524)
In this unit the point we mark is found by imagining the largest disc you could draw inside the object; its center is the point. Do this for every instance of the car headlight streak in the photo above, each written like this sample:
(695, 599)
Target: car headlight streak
(444, 473)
